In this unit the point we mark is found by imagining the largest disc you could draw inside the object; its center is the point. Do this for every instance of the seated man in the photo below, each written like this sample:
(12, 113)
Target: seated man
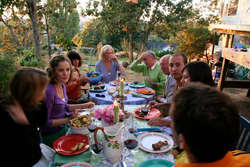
(170, 81)
(176, 65)
(151, 70)
(206, 125)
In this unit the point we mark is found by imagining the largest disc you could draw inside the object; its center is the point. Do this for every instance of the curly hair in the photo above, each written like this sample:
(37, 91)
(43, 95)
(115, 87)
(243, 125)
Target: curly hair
(53, 63)
(73, 55)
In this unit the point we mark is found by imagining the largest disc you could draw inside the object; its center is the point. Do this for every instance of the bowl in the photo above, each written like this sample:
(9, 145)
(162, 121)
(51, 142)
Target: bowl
(94, 77)
(79, 125)
(82, 130)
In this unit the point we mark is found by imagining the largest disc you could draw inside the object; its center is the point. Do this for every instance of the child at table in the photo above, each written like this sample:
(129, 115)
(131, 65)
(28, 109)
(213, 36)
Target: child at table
(73, 88)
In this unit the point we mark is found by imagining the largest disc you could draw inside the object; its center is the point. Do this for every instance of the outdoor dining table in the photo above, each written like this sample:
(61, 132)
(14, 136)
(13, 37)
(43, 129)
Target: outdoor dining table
(108, 99)
(133, 158)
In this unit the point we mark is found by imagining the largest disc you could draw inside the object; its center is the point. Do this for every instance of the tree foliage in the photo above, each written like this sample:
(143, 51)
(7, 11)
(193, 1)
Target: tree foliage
(64, 22)
(193, 41)
(119, 16)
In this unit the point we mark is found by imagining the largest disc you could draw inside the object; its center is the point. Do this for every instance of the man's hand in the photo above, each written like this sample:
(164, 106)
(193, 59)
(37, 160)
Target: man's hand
(159, 122)
(150, 81)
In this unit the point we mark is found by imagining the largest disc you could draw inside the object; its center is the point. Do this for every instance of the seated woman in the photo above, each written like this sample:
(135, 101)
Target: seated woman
(22, 114)
(108, 65)
(59, 111)
(197, 71)
(74, 92)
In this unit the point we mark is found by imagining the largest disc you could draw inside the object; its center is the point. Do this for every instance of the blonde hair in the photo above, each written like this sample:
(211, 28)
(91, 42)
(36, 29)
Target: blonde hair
(104, 50)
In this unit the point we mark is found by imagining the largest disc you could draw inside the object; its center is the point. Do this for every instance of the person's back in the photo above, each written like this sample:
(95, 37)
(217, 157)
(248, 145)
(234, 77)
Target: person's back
(206, 124)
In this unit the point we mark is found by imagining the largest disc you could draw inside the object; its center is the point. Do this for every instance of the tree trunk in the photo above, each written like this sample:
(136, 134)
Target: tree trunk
(33, 17)
(11, 32)
(131, 56)
(47, 30)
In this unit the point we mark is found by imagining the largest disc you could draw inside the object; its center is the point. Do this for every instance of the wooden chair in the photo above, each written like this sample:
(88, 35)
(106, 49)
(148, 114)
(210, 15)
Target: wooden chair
(244, 139)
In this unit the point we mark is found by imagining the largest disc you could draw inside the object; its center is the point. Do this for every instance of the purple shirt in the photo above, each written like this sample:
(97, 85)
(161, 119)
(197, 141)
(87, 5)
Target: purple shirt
(107, 76)
(57, 108)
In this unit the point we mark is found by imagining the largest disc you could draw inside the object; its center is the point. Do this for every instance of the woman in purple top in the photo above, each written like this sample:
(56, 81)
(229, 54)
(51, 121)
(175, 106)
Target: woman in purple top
(57, 101)
(108, 65)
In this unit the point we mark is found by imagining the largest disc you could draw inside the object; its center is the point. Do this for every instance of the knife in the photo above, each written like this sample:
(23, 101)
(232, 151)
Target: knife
(148, 130)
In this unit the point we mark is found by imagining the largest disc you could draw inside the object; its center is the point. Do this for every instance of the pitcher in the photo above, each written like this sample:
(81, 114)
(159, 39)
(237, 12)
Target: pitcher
(112, 146)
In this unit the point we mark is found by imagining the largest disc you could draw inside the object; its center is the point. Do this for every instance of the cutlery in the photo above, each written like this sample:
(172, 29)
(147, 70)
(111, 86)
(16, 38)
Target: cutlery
(147, 130)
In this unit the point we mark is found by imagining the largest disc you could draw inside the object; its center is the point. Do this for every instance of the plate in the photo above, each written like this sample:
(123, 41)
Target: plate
(92, 89)
(145, 91)
(77, 164)
(147, 139)
(115, 82)
(156, 162)
(151, 114)
(63, 144)
(138, 85)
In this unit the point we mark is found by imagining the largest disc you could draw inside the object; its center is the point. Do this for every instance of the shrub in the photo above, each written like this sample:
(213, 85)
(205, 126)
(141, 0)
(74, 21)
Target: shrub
(30, 59)
(7, 66)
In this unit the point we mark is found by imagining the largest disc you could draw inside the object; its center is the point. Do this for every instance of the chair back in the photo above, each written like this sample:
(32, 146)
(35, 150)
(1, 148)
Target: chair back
(244, 139)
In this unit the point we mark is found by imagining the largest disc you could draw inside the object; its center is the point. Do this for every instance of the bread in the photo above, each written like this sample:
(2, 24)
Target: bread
(157, 146)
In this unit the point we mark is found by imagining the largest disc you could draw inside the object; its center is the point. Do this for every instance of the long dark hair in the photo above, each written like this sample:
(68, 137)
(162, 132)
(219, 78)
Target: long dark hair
(26, 85)
(200, 72)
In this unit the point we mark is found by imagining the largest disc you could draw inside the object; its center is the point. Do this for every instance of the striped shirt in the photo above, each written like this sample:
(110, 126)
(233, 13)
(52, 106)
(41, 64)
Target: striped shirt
(169, 89)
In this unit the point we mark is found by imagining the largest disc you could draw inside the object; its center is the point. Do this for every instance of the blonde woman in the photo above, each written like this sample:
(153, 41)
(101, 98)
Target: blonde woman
(108, 64)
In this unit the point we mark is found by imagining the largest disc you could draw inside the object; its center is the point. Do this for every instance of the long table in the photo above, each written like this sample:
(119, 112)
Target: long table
(134, 158)
(108, 99)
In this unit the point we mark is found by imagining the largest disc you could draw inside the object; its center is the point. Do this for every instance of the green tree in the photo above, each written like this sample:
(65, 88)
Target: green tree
(193, 41)
(64, 22)
(120, 16)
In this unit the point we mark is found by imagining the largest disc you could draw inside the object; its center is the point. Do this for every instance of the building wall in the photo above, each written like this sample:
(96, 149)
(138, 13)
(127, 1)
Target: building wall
(242, 16)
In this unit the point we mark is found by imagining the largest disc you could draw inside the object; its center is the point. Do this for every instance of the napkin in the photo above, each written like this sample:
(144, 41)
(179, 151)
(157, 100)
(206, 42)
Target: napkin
(62, 159)
(140, 95)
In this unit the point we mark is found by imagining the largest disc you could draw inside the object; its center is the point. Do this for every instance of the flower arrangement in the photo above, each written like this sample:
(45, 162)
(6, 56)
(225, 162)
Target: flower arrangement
(107, 114)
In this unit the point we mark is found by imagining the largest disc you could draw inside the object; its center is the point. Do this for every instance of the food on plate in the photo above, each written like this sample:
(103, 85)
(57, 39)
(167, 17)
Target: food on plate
(145, 111)
(112, 90)
(157, 146)
(77, 147)
(139, 113)
(81, 121)
(135, 82)
(146, 91)
(116, 82)
(97, 87)
(94, 75)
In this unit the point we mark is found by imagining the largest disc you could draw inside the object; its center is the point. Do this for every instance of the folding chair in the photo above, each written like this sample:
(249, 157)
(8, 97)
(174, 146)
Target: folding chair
(244, 139)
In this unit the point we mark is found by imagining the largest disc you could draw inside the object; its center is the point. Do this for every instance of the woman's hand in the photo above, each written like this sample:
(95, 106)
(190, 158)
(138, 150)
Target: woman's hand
(89, 105)
(74, 114)
(153, 103)
(114, 58)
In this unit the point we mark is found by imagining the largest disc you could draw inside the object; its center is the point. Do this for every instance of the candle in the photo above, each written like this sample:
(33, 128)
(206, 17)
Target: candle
(122, 87)
(116, 112)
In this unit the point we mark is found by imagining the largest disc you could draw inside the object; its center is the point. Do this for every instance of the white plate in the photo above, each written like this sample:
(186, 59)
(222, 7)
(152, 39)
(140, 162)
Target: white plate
(77, 164)
(147, 139)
